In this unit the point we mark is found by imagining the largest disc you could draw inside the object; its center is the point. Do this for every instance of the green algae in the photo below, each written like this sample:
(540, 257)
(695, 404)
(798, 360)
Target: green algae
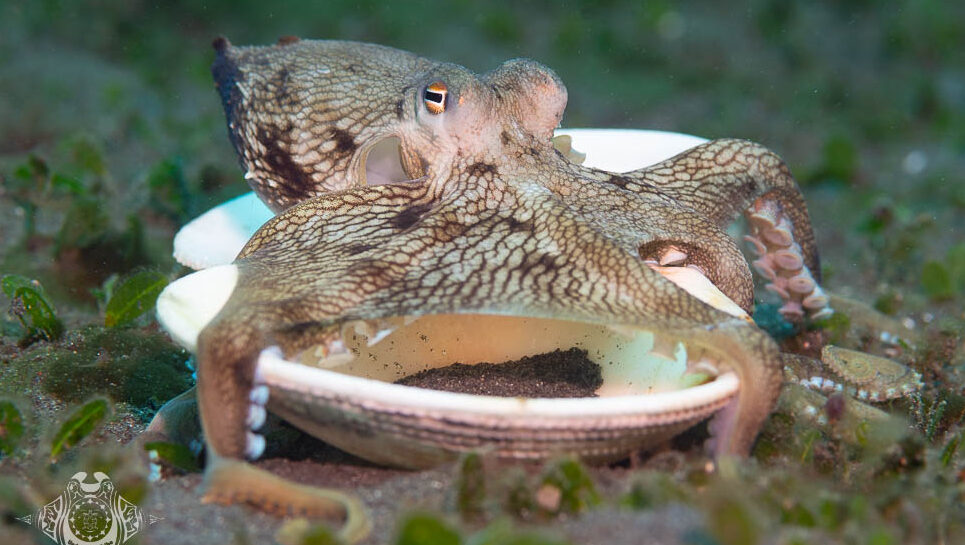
(79, 425)
(431, 529)
(838, 325)
(134, 296)
(11, 427)
(426, 529)
(89, 246)
(319, 535)
(470, 485)
(732, 523)
(936, 280)
(30, 306)
(518, 500)
(133, 366)
(173, 455)
(955, 261)
(838, 164)
(502, 532)
(653, 489)
(124, 466)
(485, 490)
(171, 194)
(943, 280)
(787, 503)
(577, 491)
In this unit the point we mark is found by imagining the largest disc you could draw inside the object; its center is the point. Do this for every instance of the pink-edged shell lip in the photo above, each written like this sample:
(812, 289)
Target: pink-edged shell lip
(411, 427)
(414, 427)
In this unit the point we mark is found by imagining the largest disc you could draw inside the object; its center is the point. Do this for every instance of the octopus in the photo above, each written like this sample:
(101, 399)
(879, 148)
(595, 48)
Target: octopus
(405, 187)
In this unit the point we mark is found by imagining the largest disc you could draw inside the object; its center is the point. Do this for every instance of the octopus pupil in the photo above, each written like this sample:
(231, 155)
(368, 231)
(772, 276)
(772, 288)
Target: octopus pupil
(432, 96)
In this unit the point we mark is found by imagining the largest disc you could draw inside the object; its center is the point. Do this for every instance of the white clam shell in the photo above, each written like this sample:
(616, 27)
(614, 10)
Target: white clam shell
(414, 427)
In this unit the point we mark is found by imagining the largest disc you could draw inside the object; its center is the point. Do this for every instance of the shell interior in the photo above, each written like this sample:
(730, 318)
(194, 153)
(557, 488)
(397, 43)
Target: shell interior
(632, 360)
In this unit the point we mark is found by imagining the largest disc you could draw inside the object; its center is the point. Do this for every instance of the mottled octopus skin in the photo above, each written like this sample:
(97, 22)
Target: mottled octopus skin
(492, 220)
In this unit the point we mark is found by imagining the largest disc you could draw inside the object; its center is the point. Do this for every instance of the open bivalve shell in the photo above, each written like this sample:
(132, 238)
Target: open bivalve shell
(344, 393)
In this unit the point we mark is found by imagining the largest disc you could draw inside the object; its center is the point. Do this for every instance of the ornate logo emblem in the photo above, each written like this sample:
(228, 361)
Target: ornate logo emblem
(89, 513)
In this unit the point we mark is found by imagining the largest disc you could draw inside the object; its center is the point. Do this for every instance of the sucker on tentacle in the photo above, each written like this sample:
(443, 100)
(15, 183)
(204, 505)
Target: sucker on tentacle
(859, 375)
(781, 261)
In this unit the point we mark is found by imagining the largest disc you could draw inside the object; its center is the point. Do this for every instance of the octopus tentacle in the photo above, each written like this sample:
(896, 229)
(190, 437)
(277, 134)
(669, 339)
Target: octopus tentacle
(684, 238)
(735, 427)
(871, 378)
(725, 178)
(231, 402)
(230, 481)
(863, 376)
(781, 261)
(227, 355)
(713, 256)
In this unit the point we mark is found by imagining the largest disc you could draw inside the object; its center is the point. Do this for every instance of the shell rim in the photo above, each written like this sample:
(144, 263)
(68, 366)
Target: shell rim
(276, 372)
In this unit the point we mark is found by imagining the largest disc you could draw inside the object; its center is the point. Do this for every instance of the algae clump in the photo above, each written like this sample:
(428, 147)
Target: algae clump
(133, 366)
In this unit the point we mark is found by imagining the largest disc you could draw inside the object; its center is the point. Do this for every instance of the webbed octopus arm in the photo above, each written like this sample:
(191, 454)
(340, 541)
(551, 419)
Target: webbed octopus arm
(683, 239)
(288, 297)
(231, 406)
(401, 250)
(725, 178)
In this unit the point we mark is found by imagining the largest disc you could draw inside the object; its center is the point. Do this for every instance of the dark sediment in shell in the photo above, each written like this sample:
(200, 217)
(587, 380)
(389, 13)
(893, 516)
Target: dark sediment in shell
(554, 374)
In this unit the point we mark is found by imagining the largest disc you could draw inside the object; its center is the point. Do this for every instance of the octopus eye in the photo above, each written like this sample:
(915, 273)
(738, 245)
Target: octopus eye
(435, 97)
